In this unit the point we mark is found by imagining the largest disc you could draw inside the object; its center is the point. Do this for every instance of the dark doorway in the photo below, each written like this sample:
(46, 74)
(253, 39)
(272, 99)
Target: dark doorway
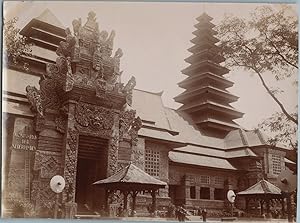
(91, 166)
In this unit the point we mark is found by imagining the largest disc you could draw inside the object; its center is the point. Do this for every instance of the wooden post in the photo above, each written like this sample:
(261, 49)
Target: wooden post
(247, 205)
(283, 207)
(125, 193)
(134, 193)
(261, 207)
(153, 194)
(289, 207)
(107, 192)
(268, 208)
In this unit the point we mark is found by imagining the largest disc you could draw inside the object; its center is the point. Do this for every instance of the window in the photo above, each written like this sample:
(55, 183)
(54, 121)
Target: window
(204, 193)
(276, 164)
(152, 162)
(219, 194)
(193, 192)
(204, 179)
(219, 180)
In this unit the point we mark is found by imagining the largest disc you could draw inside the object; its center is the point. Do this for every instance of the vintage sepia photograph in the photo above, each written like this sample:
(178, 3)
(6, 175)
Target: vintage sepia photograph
(149, 111)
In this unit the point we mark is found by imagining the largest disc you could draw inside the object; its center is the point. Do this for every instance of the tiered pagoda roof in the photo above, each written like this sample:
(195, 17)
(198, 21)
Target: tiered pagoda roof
(205, 97)
(45, 31)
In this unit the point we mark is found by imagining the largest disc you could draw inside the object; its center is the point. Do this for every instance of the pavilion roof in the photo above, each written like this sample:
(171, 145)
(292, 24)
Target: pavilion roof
(131, 175)
(263, 187)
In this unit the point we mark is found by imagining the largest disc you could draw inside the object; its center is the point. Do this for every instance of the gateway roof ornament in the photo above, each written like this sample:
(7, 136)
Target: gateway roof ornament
(85, 60)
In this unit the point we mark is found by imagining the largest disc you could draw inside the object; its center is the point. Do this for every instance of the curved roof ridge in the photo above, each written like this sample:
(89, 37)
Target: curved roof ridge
(244, 137)
(160, 93)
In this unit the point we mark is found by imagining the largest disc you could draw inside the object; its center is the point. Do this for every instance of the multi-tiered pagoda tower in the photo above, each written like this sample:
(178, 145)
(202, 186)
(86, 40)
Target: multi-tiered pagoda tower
(205, 97)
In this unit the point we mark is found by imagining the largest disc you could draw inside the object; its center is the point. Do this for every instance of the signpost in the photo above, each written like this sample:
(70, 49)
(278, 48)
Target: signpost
(231, 198)
(57, 184)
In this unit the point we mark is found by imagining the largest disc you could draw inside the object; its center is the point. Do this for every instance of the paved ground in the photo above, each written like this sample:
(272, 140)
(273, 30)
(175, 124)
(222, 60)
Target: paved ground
(137, 219)
(199, 219)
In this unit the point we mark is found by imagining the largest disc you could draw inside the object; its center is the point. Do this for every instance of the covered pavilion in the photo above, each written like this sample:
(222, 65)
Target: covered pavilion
(265, 192)
(130, 181)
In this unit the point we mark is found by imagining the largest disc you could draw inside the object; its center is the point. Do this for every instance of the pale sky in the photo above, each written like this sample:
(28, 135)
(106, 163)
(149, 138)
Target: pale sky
(155, 37)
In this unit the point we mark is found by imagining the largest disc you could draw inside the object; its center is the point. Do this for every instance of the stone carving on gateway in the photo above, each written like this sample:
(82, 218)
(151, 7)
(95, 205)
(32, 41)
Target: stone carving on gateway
(84, 59)
(81, 94)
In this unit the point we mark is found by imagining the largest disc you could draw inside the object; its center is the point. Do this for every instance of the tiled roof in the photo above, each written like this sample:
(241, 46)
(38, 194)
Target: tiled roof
(237, 153)
(149, 107)
(262, 187)
(159, 117)
(200, 160)
(160, 135)
(200, 150)
(188, 132)
(250, 138)
(48, 17)
(131, 174)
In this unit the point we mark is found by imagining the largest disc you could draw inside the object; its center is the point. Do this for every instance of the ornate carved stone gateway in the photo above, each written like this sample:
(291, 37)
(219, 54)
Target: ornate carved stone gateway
(81, 94)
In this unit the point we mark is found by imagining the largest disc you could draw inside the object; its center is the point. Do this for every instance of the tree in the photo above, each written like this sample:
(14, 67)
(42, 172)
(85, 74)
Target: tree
(14, 45)
(265, 43)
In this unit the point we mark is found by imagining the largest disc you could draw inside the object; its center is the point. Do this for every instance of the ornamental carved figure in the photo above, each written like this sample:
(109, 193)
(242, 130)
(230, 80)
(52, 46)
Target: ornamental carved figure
(127, 90)
(129, 125)
(117, 56)
(125, 122)
(65, 48)
(97, 60)
(94, 119)
(135, 127)
(34, 98)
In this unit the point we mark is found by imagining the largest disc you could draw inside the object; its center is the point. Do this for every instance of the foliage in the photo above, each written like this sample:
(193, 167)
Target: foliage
(268, 42)
(15, 45)
(284, 130)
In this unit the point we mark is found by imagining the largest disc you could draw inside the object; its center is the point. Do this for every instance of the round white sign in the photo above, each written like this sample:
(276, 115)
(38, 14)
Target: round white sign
(57, 184)
(231, 196)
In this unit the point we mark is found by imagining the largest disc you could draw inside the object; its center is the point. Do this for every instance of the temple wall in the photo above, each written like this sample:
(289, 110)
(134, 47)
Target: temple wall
(163, 163)
(16, 81)
(268, 155)
(139, 159)
(187, 180)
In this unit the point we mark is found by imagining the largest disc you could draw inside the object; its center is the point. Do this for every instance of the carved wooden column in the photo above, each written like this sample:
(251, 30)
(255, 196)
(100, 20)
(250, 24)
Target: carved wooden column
(112, 160)
(70, 163)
